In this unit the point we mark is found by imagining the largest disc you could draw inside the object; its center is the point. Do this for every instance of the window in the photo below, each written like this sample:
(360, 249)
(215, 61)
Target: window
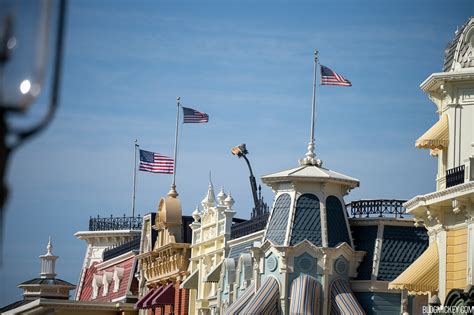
(96, 284)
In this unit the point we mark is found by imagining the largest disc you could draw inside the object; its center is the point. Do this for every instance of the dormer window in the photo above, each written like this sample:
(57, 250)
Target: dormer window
(106, 280)
(117, 277)
(96, 284)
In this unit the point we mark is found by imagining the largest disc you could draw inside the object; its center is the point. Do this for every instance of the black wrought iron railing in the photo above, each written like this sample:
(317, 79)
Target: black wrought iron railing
(115, 223)
(455, 176)
(377, 208)
(248, 227)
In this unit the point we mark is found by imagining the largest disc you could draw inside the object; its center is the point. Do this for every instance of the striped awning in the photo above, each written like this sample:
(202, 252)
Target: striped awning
(421, 277)
(267, 299)
(146, 301)
(305, 293)
(343, 300)
(214, 274)
(242, 301)
(140, 302)
(437, 137)
(166, 296)
(192, 281)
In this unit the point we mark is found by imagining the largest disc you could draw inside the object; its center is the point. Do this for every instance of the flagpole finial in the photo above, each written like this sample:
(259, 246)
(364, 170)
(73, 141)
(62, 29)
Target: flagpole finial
(173, 193)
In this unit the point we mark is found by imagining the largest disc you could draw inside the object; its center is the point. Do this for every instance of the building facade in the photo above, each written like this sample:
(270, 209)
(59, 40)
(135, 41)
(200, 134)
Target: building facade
(447, 266)
(211, 231)
(164, 259)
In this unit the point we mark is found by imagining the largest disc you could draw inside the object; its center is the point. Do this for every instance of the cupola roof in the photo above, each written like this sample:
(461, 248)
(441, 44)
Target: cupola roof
(311, 173)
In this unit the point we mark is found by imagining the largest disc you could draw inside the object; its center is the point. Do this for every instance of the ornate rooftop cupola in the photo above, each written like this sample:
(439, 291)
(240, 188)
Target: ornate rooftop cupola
(47, 286)
(307, 245)
(48, 262)
(309, 199)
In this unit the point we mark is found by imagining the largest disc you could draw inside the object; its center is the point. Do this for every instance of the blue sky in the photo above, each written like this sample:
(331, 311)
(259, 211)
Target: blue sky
(249, 66)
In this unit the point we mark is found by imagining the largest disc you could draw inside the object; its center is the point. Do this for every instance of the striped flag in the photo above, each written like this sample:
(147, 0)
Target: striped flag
(155, 163)
(329, 77)
(193, 116)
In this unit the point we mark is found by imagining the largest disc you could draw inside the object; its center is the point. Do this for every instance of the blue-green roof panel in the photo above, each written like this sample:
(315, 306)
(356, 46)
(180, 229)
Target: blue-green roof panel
(401, 246)
(364, 239)
(336, 222)
(307, 222)
(279, 220)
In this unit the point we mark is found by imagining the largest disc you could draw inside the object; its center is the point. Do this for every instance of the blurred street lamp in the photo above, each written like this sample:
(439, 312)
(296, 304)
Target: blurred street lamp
(31, 37)
(241, 151)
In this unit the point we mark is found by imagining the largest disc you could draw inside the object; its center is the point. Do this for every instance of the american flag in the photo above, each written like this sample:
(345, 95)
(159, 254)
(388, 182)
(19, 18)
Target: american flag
(155, 163)
(329, 77)
(193, 116)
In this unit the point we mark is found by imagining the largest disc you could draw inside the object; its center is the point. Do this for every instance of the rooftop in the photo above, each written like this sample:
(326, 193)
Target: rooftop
(115, 223)
(312, 173)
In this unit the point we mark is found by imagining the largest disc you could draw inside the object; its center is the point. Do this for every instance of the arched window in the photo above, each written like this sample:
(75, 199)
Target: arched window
(336, 222)
(307, 223)
(277, 227)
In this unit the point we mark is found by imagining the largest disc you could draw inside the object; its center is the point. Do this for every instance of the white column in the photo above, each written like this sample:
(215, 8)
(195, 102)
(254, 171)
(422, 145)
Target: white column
(441, 241)
(324, 222)
(377, 251)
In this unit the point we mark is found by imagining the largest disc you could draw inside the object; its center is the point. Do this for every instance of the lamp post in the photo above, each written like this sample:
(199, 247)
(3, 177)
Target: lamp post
(25, 29)
(241, 151)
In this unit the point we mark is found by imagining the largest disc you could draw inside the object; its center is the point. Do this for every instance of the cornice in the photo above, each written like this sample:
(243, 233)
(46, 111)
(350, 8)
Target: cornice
(438, 78)
(85, 235)
(437, 196)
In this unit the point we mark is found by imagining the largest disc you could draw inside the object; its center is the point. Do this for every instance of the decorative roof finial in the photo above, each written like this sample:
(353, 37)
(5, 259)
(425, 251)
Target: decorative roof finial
(221, 196)
(229, 201)
(49, 247)
(310, 156)
(210, 198)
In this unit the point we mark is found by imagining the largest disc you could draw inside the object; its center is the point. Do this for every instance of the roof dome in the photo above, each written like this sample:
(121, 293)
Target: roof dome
(459, 52)
(221, 197)
(229, 201)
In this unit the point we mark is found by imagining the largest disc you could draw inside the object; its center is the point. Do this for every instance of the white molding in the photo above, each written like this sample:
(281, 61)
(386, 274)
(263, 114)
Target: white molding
(439, 196)
(294, 195)
(243, 239)
(111, 262)
(438, 78)
(87, 235)
(371, 286)
(377, 251)
(323, 222)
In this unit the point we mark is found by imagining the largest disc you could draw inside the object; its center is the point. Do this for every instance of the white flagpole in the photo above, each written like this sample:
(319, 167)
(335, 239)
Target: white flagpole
(313, 111)
(310, 156)
(173, 193)
(134, 179)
